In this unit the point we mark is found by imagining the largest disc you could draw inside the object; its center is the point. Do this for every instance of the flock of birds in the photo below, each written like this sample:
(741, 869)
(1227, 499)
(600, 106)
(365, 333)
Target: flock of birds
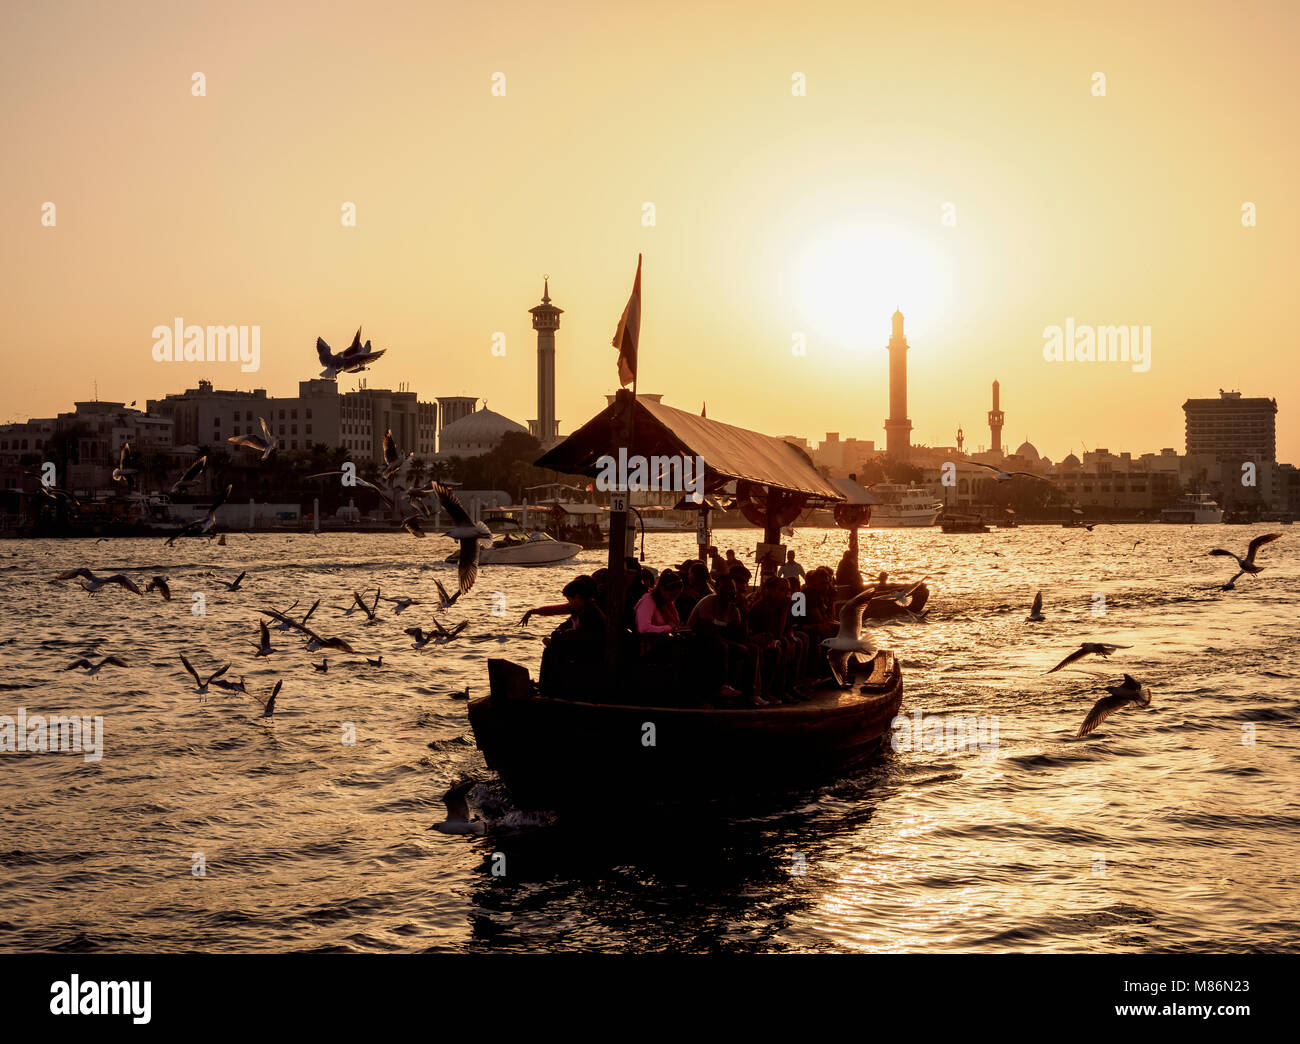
(414, 502)
(1130, 692)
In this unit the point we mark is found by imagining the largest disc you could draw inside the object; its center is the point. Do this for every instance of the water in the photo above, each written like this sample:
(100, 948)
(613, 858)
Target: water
(1163, 831)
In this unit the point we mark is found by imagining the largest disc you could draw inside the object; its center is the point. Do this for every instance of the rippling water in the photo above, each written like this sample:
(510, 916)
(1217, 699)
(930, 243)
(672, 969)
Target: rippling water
(1165, 830)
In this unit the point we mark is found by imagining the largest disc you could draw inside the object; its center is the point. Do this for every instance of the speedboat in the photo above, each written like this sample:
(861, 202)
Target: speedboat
(530, 549)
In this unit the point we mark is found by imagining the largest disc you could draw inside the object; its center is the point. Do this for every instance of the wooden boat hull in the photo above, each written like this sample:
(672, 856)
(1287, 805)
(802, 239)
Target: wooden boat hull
(558, 754)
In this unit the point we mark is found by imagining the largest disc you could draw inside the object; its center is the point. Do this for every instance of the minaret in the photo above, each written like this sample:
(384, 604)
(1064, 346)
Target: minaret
(898, 428)
(996, 417)
(546, 320)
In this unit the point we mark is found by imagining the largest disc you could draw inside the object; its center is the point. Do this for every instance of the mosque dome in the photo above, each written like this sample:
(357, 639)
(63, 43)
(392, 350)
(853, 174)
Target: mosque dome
(1027, 451)
(476, 432)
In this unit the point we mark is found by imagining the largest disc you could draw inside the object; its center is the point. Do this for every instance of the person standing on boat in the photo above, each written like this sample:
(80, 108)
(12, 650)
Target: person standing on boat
(791, 571)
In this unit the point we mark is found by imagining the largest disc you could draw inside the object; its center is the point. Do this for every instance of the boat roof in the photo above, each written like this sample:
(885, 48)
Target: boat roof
(728, 452)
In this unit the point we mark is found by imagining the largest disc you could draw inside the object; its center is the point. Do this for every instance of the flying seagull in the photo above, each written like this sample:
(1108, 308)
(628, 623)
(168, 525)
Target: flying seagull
(263, 645)
(230, 686)
(445, 601)
(393, 460)
(93, 583)
(159, 584)
(124, 473)
(1036, 612)
(1130, 693)
(89, 668)
(191, 476)
(466, 532)
(233, 585)
(1247, 564)
(411, 523)
(202, 525)
(850, 644)
(264, 444)
(1006, 476)
(444, 635)
(352, 359)
(268, 700)
(401, 603)
(419, 637)
(369, 610)
(201, 686)
(1102, 649)
(314, 640)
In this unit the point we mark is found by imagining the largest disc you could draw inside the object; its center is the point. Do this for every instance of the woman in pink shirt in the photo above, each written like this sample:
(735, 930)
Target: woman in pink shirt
(656, 611)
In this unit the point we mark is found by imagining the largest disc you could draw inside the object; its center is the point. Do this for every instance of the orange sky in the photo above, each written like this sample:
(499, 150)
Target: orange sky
(774, 214)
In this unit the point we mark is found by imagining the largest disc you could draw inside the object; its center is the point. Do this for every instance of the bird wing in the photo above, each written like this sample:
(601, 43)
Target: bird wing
(123, 581)
(114, 660)
(360, 604)
(193, 673)
(268, 701)
(1259, 542)
(72, 574)
(467, 564)
(83, 662)
(1078, 654)
(839, 662)
(309, 611)
(264, 635)
(442, 591)
(355, 346)
(452, 505)
(414, 632)
(323, 352)
(390, 447)
(251, 441)
(1101, 710)
(457, 629)
(852, 611)
(220, 500)
(375, 604)
(990, 467)
(240, 577)
(1038, 604)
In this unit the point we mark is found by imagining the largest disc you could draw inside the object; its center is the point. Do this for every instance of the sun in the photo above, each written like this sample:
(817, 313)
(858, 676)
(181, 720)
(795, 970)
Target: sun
(852, 278)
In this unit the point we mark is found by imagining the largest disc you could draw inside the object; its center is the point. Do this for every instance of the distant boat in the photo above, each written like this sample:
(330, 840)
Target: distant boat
(1197, 509)
(961, 522)
(902, 505)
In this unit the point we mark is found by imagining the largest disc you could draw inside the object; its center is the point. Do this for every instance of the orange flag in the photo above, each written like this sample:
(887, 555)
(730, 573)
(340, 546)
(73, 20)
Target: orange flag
(628, 335)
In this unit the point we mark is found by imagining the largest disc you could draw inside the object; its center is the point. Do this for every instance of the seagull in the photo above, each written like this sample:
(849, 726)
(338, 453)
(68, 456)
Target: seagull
(1247, 564)
(86, 665)
(848, 644)
(420, 638)
(323, 666)
(201, 685)
(384, 494)
(268, 701)
(411, 523)
(1130, 693)
(191, 475)
(314, 640)
(124, 473)
(265, 443)
(445, 601)
(1006, 476)
(444, 635)
(466, 532)
(401, 603)
(282, 622)
(1102, 649)
(93, 583)
(458, 819)
(352, 359)
(393, 460)
(233, 585)
(230, 686)
(375, 663)
(1036, 612)
(58, 495)
(459, 694)
(202, 525)
(159, 584)
(368, 610)
(263, 645)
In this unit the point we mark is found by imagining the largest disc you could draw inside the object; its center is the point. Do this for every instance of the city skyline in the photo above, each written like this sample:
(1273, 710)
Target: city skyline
(780, 218)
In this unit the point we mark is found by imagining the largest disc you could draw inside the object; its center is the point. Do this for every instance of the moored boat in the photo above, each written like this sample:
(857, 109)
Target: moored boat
(559, 753)
(533, 549)
(1198, 509)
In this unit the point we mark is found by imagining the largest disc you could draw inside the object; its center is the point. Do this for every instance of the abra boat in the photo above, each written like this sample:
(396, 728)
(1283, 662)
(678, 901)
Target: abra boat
(961, 522)
(558, 753)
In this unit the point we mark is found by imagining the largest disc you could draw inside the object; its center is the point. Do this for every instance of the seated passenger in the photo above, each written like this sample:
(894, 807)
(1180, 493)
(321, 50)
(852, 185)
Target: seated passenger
(725, 658)
(697, 586)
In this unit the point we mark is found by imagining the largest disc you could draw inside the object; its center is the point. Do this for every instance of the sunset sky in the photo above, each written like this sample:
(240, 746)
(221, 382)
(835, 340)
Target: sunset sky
(774, 214)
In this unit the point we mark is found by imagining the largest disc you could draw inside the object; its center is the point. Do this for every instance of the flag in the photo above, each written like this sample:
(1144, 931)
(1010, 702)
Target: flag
(628, 335)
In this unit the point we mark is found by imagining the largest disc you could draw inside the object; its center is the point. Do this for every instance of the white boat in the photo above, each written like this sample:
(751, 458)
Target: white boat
(1197, 509)
(903, 506)
(531, 549)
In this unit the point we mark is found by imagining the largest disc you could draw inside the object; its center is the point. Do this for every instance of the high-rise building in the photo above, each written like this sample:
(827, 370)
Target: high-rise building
(1227, 434)
(898, 428)
(546, 320)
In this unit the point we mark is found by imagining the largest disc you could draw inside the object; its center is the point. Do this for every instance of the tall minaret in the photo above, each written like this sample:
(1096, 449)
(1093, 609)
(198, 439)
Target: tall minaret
(898, 428)
(996, 417)
(546, 320)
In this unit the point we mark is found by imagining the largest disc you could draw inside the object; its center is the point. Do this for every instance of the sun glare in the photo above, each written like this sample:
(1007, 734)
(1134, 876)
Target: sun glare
(852, 279)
